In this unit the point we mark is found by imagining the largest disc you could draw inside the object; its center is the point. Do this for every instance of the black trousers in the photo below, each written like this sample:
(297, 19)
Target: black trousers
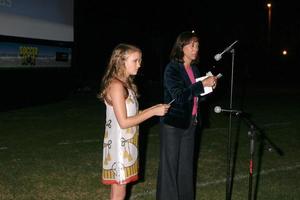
(175, 173)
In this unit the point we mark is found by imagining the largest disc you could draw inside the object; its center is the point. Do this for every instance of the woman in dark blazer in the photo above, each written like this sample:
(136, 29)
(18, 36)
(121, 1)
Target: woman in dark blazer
(177, 135)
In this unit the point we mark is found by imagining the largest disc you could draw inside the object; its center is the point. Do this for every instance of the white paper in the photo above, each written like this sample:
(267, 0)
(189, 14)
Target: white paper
(207, 90)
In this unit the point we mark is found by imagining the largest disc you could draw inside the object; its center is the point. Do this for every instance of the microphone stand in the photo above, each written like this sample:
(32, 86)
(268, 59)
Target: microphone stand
(229, 175)
(253, 132)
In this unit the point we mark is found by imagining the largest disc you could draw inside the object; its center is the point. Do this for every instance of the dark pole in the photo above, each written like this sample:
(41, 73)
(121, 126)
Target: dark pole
(229, 177)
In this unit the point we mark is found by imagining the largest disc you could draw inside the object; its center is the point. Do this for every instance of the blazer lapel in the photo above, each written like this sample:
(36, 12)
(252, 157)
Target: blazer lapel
(195, 71)
(185, 75)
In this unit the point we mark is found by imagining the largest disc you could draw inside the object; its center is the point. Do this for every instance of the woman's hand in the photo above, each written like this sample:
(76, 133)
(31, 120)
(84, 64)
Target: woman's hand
(215, 83)
(210, 81)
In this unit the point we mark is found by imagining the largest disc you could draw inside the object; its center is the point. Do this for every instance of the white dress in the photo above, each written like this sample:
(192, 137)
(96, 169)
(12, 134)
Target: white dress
(120, 147)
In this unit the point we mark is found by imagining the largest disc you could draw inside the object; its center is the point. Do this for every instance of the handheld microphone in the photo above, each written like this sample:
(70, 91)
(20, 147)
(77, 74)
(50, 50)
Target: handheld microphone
(218, 109)
(219, 55)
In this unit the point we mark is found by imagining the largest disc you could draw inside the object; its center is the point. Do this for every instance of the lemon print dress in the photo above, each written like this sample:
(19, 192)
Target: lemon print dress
(120, 147)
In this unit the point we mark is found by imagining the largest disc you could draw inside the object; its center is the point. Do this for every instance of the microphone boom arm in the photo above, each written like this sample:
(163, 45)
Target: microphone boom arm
(219, 55)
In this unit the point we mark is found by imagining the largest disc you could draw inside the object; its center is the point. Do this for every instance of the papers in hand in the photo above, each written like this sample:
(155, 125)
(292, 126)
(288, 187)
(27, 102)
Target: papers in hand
(207, 90)
(171, 101)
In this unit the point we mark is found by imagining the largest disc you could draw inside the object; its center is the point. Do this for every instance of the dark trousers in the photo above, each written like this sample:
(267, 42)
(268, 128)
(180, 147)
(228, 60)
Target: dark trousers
(175, 173)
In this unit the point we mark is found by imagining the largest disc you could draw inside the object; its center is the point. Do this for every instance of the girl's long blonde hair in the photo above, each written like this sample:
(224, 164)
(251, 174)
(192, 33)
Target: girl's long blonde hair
(116, 68)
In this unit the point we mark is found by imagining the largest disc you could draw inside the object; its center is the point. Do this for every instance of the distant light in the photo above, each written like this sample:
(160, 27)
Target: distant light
(193, 31)
(284, 52)
(269, 5)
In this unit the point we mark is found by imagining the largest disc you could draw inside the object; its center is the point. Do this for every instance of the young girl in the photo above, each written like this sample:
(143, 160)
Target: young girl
(120, 148)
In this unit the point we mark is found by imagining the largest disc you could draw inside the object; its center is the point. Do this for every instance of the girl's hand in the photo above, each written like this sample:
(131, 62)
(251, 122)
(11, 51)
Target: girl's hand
(161, 109)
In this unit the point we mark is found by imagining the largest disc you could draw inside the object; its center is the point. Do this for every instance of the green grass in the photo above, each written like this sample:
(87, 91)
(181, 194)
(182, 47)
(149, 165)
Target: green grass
(54, 151)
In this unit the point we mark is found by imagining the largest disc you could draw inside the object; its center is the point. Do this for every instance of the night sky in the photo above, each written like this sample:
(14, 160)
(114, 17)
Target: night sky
(154, 27)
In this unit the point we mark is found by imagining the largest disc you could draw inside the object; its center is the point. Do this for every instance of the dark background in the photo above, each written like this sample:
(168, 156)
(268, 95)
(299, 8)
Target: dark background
(154, 27)
(99, 27)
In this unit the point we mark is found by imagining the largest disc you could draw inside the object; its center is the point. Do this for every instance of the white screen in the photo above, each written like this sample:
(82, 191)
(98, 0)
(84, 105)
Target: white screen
(37, 19)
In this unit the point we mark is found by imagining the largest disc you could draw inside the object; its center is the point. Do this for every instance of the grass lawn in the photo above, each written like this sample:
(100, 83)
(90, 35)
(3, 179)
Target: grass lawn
(54, 151)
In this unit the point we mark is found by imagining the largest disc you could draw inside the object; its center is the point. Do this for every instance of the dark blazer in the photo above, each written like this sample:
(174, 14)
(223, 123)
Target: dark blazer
(177, 85)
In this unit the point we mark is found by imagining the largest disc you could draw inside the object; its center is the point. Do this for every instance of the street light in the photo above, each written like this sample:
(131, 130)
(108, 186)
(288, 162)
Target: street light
(269, 5)
(284, 52)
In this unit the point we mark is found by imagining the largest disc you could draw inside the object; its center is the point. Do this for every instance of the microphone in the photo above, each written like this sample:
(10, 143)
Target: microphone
(218, 109)
(218, 56)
